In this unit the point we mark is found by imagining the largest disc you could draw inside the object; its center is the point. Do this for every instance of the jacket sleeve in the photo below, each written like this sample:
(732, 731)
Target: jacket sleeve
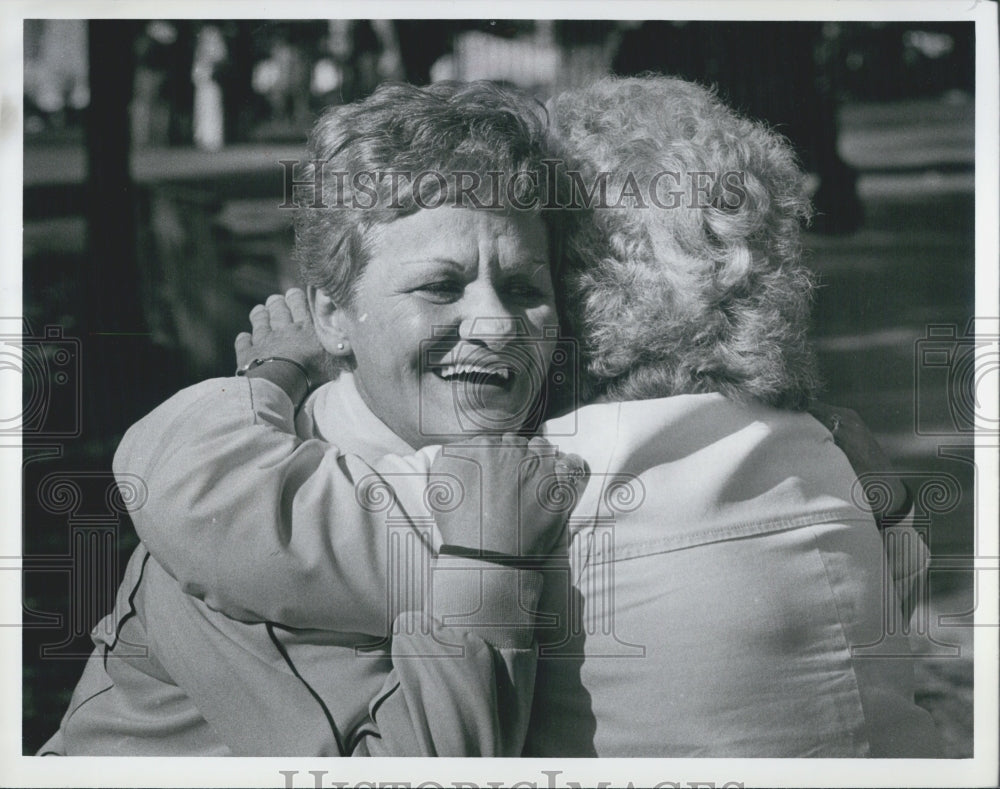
(265, 526)
(178, 679)
(463, 673)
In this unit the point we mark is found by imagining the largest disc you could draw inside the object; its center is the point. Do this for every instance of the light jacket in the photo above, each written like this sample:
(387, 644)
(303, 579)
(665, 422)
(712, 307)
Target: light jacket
(724, 591)
(726, 594)
(403, 667)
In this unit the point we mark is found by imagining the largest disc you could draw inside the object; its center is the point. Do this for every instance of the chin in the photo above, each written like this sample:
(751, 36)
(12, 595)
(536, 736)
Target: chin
(461, 423)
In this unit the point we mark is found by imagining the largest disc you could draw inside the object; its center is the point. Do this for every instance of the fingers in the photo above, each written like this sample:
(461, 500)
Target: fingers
(295, 298)
(539, 444)
(279, 312)
(572, 469)
(260, 322)
(514, 444)
(243, 344)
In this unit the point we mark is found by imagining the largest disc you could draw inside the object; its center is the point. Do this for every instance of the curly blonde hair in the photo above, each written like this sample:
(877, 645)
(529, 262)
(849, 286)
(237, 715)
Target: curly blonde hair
(706, 294)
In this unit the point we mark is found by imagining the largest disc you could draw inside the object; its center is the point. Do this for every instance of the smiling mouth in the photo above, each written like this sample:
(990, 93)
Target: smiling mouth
(496, 375)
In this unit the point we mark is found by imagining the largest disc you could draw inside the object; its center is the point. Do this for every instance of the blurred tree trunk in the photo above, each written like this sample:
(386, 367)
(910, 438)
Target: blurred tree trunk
(111, 312)
(238, 88)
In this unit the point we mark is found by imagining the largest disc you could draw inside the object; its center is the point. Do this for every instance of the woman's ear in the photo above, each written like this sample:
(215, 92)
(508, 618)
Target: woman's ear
(329, 322)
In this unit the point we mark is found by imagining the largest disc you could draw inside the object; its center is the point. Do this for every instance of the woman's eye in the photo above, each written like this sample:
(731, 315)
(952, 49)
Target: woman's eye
(441, 290)
(526, 291)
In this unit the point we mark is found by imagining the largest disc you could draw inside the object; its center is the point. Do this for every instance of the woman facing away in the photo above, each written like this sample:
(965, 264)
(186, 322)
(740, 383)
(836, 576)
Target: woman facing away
(725, 583)
(721, 592)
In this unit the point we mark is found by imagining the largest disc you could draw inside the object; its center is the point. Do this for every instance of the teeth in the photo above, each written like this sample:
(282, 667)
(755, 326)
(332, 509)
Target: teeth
(451, 370)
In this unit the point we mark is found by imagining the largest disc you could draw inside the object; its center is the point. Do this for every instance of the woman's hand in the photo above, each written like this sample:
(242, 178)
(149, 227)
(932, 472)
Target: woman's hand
(866, 456)
(283, 328)
(516, 494)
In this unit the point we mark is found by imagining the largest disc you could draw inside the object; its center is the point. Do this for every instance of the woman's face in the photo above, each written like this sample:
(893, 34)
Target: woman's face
(448, 324)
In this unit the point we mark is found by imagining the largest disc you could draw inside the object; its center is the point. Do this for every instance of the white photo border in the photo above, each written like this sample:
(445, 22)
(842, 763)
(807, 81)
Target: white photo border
(19, 770)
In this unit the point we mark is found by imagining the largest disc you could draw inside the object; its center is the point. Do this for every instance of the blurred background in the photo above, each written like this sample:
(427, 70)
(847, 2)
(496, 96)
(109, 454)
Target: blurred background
(152, 225)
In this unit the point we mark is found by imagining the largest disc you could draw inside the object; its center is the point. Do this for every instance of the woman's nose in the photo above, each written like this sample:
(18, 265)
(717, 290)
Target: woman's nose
(494, 332)
(491, 322)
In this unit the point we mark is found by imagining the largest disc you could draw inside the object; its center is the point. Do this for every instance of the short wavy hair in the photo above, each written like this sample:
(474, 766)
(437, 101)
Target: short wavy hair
(447, 128)
(695, 298)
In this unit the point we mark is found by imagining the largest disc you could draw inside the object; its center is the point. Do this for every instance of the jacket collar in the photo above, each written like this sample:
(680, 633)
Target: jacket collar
(336, 413)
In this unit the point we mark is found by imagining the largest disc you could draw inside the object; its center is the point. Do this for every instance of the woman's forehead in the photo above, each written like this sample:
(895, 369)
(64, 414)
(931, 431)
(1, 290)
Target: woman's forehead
(464, 235)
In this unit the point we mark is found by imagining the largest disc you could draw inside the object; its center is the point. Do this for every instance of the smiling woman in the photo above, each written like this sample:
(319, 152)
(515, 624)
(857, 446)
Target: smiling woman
(431, 318)
(441, 321)
(441, 313)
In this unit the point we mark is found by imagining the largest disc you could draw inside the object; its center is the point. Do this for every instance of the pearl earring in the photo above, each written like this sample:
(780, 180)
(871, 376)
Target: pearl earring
(340, 346)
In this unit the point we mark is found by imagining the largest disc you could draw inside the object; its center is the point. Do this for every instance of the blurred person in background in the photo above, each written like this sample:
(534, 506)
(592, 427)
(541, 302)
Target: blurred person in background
(367, 54)
(55, 70)
(282, 78)
(149, 112)
(210, 55)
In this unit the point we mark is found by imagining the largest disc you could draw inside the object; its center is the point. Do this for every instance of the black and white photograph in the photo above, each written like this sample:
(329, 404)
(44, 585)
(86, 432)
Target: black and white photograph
(598, 396)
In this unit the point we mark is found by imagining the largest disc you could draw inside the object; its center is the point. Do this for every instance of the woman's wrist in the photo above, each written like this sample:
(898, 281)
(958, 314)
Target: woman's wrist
(290, 376)
(493, 557)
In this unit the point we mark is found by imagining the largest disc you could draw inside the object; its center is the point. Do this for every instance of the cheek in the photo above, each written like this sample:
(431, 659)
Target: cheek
(394, 330)
(413, 330)
(542, 317)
